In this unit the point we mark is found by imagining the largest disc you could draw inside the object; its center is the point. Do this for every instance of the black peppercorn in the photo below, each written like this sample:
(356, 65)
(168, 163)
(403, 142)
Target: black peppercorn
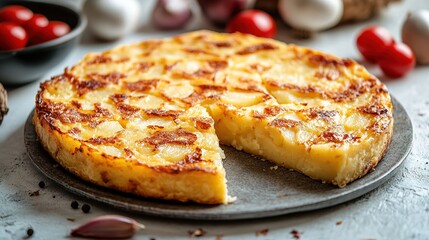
(74, 204)
(30, 232)
(42, 184)
(86, 208)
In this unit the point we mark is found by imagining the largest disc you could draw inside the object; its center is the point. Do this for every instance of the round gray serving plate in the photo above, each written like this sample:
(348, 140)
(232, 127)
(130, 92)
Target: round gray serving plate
(260, 188)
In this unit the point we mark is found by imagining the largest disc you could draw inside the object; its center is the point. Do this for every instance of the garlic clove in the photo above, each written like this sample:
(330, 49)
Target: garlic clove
(108, 227)
(415, 33)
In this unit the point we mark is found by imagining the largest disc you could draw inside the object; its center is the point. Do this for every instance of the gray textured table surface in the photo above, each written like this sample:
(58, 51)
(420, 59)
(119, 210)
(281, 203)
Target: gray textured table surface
(397, 210)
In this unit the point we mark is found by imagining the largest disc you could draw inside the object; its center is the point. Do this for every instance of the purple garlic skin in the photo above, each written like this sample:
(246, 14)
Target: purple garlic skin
(171, 14)
(221, 11)
(108, 227)
(415, 33)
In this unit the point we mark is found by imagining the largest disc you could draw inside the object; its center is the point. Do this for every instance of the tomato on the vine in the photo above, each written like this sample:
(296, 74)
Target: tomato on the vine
(255, 22)
(15, 14)
(13, 37)
(35, 25)
(55, 29)
(397, 60)
(373, 41)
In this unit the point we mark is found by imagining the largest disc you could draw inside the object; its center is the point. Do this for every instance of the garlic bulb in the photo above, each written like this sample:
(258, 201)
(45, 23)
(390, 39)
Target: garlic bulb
(415, 33)
(311, 15)
(221, 11)
(3, 103)
(112, 19)
(171, 14)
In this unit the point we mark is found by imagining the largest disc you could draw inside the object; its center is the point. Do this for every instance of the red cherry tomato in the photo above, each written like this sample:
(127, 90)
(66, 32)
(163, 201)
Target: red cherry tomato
(397, 60)
(254, 22)
(35, 25)
(372, 42)
(55, 29)
(16, 14)
(13, 37)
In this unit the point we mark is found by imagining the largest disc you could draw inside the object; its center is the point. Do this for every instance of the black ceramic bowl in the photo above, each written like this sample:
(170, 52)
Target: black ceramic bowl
(31, 63)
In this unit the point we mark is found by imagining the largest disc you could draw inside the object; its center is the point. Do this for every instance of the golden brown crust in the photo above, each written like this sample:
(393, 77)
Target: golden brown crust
(203, 123)
(163, 113)
(142, 85)
(256, 48)
(284, 123)
(179, 137)
(160, 186)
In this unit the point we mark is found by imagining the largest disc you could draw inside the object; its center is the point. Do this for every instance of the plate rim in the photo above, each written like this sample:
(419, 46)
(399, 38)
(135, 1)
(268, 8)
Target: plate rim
(345, 196)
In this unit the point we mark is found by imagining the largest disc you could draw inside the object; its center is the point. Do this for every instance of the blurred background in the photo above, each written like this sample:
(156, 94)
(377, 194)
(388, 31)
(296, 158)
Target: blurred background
(313, 23)
(333, 26)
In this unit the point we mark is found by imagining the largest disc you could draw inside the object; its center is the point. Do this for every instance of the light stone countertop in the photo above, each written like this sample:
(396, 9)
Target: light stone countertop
(398, 209)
